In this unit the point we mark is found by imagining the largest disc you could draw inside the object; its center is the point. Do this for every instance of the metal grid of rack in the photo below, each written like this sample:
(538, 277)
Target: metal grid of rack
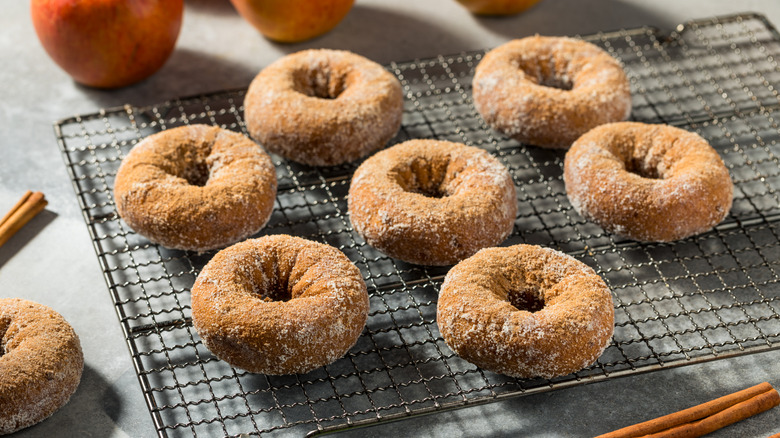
(710, 296)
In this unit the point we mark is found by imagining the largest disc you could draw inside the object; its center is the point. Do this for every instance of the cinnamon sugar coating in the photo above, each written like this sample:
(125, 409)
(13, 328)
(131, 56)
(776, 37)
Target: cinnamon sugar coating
(647, 182)
(432, 202)
(196, 187)
(279, 305)
(525, 311)
(323, 107)
(547, 91)
(40, 363)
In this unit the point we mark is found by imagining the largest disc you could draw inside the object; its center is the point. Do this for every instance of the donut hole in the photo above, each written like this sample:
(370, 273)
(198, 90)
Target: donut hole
(427, 177)
(636, 166)
(4, 324)
(546, 74)
(322, 83)
(189, 158)
(196, 174)
(276, 294)
(276, 290)
(525, 298)
(434, 191)
(555, 81)
(271, 278)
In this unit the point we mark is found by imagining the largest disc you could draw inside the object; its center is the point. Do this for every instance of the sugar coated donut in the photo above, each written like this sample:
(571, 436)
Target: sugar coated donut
(547, 91)
(323, 107)
(196, 187)
(40, 363)
(647, 182)
(432, 202)
(279, 305)
(525, 311)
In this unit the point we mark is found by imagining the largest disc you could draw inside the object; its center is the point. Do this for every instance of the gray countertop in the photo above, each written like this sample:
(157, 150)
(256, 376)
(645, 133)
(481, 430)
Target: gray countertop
(51, 261)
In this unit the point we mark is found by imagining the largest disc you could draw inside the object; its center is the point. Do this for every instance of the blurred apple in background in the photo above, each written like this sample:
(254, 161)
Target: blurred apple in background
(108, 43)
(291, 21)
(497, 7)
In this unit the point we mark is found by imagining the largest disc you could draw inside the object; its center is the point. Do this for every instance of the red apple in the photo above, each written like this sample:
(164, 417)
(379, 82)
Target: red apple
(290, 21)
(108, 43)
(497, 7)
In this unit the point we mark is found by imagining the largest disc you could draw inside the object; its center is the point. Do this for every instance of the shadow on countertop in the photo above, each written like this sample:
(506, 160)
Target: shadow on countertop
(86, 414)
(385, 35)
(25, 234)
(213, 7)
(186, 73)
(567, 18)
(547, 414)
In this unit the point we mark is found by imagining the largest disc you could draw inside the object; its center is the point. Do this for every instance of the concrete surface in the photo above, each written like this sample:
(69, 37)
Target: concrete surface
(51, 261)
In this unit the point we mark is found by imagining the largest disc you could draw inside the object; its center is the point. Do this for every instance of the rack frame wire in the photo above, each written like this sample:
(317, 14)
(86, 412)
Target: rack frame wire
(708, 297)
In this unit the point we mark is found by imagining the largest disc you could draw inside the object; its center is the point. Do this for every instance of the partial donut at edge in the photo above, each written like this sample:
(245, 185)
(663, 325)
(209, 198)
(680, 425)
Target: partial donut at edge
(40, 363)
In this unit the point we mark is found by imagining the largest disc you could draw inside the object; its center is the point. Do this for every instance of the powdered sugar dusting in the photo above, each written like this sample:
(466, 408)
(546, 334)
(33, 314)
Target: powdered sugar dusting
(155, 195)
(279, 305)
(41, 364)
(511, 90)
(432, 202)
(685, 190)
(323, 107)
(477, 321)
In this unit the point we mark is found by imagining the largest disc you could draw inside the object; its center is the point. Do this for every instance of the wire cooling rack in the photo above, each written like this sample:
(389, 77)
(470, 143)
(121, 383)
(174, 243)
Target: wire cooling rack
(710, 296)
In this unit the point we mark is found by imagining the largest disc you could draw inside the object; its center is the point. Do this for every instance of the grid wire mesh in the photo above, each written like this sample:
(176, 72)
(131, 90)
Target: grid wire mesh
(706, 297)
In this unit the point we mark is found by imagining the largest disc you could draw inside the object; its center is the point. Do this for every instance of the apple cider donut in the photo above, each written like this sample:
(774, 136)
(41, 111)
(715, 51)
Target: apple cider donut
(547, 91)
(323, 107)
(40, 363)
(432, 202)
(525, 311)
(196, 187)
(279, 305)
(647, 182)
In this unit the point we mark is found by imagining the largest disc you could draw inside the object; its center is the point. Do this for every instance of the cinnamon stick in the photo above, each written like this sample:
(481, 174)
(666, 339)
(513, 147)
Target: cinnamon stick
(731, 415)
(748, 400)
(27, 208)
(16, 207)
